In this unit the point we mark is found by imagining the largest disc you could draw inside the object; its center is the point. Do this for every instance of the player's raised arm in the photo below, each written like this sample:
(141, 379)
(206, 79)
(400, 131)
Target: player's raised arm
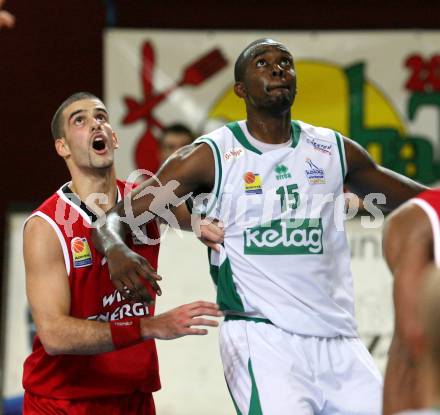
(364, 176)
(189, 171)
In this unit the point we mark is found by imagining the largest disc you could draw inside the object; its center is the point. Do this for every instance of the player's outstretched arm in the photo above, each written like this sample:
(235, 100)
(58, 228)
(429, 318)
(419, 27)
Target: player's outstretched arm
(48, 293)
(364, 176)
(210, 232)
(186, 172)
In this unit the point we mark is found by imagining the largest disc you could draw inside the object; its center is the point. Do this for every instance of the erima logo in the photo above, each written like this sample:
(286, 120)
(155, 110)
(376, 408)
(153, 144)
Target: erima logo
(314, 173)
(284, 237)
(282, 172)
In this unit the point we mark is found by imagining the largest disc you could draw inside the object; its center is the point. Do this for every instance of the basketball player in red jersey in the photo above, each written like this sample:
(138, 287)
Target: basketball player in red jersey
(94, 351)
(411, 244)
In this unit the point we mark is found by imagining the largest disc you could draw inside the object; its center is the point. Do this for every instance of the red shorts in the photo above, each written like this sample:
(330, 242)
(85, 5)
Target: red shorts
(137, 403)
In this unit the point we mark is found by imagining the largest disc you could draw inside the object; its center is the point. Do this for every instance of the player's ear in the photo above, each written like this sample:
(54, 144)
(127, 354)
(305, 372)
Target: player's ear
(62, 147)
(240, 89)
(115, 140)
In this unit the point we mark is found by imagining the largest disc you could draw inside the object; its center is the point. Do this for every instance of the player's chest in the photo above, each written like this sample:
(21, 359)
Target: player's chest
(279, 182)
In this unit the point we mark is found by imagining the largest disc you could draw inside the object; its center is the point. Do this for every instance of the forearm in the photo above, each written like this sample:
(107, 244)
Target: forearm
(407, 285)
(110, 234)
(396, 187)
(365, 177)
(72, 336)
(183, 217)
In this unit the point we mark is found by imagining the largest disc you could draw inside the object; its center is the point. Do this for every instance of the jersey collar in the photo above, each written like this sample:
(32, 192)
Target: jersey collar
(235, 128)
(65, 193)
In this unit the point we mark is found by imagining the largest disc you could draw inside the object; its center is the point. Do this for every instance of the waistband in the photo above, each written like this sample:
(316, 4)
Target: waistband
(232, 317)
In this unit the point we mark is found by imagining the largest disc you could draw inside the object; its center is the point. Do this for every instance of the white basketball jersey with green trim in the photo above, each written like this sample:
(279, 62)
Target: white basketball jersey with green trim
(285, 256)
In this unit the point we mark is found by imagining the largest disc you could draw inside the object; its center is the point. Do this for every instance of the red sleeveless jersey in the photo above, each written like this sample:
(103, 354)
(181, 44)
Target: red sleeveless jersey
(429, 201)
(93, 297)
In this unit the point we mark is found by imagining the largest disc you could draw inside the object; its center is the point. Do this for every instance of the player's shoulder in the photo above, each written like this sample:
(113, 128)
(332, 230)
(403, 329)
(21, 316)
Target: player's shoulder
(425, 206)
(312, 132)
(37, 229)
(220, 134)
(431, 196)
(416, 210)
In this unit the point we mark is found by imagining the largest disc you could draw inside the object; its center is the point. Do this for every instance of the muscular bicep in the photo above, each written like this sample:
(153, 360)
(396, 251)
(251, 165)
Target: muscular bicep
(364, 177)
(47, 286)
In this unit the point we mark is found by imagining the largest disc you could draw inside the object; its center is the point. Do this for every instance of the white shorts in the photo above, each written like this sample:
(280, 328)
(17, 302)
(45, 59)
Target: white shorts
(272, 372)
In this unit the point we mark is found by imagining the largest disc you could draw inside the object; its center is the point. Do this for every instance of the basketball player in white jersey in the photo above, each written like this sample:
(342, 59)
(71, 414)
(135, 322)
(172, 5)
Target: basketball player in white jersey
(289, 343)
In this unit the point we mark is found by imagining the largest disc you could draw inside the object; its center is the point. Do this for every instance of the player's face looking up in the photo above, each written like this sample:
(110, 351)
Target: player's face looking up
(89, 140)
(269, 78)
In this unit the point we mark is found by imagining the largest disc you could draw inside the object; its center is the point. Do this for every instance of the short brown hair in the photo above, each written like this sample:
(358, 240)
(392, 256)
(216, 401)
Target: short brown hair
(57, 120)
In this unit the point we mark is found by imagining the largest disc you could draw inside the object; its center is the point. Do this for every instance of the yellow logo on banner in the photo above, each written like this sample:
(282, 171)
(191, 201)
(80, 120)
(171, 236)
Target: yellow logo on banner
(82, 257)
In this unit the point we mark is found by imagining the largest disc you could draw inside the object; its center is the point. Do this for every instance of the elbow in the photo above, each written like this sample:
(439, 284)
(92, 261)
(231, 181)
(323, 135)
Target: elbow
(51, 346)
(52, 342)
(51, 351)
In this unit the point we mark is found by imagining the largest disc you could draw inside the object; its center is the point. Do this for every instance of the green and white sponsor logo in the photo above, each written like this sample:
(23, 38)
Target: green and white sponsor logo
(284, 237)
(282, 172)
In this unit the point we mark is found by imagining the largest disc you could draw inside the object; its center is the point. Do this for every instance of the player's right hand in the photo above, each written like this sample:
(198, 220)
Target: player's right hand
(127, 269)
(179, 321)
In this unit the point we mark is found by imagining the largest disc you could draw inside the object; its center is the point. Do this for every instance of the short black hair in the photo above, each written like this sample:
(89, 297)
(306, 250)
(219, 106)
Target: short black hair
(57, 120)
(178, 128)
(242, 60)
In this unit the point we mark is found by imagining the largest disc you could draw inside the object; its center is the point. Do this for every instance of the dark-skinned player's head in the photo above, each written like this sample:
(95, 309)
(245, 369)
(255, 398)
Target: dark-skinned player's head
(265, 76)
(57, 120)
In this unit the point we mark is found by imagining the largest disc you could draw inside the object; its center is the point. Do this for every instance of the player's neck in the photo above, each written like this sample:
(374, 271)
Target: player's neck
(269, 128)
(96, 189)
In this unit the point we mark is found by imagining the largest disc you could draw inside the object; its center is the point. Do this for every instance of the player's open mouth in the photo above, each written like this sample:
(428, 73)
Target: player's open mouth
(98, 144)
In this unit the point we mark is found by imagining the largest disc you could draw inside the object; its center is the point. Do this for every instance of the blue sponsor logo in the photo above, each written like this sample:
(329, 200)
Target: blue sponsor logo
(314, 173)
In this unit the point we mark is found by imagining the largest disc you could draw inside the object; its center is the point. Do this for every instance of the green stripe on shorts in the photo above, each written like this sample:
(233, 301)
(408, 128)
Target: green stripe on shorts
(254, 406)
